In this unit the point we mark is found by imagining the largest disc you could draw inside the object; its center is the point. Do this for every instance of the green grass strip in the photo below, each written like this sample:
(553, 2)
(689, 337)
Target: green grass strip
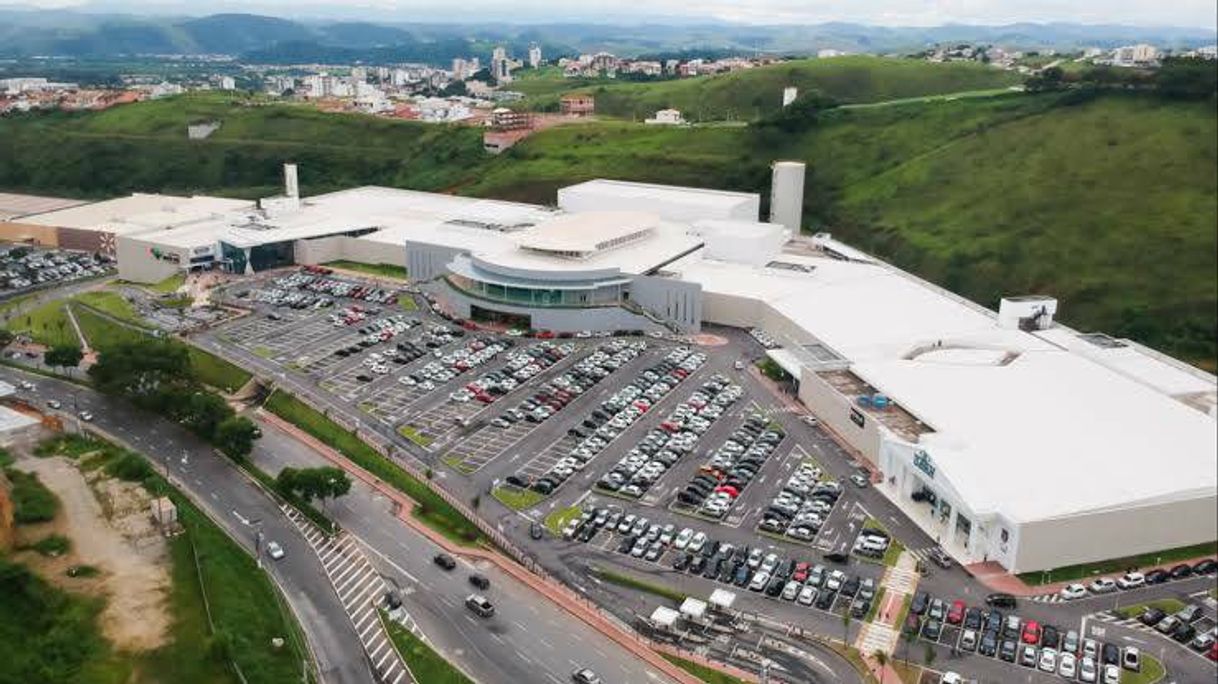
(382, 270)
(707, 674)
(1115, 565)
(638, 584)
(427, 666)
(516, 498)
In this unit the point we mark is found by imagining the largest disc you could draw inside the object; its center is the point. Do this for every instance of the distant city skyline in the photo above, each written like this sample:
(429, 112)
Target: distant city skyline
(1182, 13)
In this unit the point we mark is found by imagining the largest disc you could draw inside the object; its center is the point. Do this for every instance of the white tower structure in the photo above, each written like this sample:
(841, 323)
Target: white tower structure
(787, 195)
(291, 186)
(789, 94)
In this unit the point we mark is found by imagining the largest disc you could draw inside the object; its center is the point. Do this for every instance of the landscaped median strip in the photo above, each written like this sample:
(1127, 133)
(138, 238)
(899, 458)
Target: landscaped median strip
(578, 606)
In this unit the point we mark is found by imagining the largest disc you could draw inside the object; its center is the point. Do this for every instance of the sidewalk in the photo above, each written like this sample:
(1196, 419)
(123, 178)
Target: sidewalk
(578, 606)
(883, 634)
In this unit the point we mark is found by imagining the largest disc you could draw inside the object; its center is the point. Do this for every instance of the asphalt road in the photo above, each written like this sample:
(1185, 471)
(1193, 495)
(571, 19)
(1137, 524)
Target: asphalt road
(528, 640)
(229, 498)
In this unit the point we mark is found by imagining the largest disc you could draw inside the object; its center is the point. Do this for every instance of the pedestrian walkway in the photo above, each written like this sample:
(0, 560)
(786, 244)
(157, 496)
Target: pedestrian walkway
(359, 587)
(882, 635)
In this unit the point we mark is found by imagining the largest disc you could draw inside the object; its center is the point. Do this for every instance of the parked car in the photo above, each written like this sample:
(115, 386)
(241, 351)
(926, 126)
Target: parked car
(1072, 591)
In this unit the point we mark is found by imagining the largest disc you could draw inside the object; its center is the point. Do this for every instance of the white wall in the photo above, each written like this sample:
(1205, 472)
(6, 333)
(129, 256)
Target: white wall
(136, 263)
(834, 410)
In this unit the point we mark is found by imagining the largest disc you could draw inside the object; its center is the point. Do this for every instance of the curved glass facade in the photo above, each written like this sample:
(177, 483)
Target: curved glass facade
(537, 295)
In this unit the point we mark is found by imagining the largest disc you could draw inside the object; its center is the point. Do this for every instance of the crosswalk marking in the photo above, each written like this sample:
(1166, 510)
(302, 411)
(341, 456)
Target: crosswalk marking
(357, 584)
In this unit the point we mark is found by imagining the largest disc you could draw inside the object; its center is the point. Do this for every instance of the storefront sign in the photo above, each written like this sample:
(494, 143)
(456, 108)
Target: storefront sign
(922, 461)
(164, 256)
(857, 417)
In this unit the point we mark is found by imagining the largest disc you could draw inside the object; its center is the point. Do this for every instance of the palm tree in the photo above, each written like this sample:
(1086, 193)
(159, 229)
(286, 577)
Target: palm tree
(881, 659)
(846, 627)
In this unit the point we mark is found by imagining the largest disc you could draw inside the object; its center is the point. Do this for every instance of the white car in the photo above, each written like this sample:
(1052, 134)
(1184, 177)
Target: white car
(1048, 660)
(1112, 674)
(807, 596)
(274, 550)
(1102, 585)
(1086, 670)
(1073, 591)
(1131, 580)
(696, 543)
(1067, 666)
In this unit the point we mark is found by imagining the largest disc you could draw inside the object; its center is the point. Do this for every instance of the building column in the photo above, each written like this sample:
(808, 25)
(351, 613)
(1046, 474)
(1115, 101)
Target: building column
(249, 265)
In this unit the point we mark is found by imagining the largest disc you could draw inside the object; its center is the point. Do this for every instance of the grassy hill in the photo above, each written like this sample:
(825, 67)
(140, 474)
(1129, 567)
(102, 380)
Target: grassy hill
(144, 147)
(751, 94)
(1108, 203)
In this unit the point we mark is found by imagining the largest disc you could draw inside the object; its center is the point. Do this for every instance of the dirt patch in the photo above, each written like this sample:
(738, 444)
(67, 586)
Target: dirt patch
(110, 528)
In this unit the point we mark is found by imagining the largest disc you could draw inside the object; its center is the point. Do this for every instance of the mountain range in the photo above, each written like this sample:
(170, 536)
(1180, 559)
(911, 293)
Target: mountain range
(25, 33)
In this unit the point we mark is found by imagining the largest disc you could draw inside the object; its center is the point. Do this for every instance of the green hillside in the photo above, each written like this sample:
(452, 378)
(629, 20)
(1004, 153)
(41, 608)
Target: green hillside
(753, 93)
(1108, 202)
(144, 147)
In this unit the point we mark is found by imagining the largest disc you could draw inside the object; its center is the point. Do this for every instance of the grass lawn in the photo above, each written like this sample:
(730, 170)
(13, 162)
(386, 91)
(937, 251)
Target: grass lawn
(1085, 570)
(430, 508)
(706, 674)
(407, 303)
(638, 584)
(32, 501)
(409, 432)
(111, 303)
(557, 520)
(517, 499)
(909, 674)
(1152, 671)
(217, 372)
(170, 284)
(427, 666)
(382, 270)
(46, 324)
(1167, 605)
(103, 333)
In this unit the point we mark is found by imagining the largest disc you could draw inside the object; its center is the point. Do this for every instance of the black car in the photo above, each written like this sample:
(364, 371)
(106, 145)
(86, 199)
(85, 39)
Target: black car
(625, 545)
(920, 601)
(1050, 637)
(1157, 577)
(1205, 567)
(859, 609)
(535, 531)
(711, 571)
(1151, 617)
(742, 575)
(1000, 600)
(1183, 632)
(989, 644)
(1110, 654)
(480, 581)
(697, 565)
(824, 600)
(445, 561)
(932, 629)
(973, 618)
(1181, 571)
(1006, 650)
(850, 587)
(838, 557)
(681, 561)
(774, 588)
(993, 621)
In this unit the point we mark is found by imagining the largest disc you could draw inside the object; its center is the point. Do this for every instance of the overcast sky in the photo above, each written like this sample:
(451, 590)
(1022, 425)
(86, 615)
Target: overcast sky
(1193, 13)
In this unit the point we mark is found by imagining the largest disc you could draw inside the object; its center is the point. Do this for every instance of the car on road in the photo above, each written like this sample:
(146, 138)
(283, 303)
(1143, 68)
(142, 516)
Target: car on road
(940, 558)
(445, 561)
(1151, 616)
(860, 480)
(86, 416)
(1072, 591)
(1131, 580)
(480, 581)
(275, 551)
(585, 676)
(480, 605)
(54, 403)
(1000, 600)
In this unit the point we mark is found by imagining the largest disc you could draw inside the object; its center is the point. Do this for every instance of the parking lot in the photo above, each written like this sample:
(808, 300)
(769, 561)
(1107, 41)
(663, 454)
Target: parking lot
(24, 268)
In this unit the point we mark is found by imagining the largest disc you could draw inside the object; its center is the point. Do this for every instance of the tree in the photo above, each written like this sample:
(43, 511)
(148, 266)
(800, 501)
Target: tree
(63, 356)
(6, 337)
(881, 659)
(235, 437)
(313, 483)
(142, 371)
(846, 628)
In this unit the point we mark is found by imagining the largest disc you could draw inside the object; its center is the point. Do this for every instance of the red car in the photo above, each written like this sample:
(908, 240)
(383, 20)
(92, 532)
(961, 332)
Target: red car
(1031, 632)
(956, 615)
(802, 569)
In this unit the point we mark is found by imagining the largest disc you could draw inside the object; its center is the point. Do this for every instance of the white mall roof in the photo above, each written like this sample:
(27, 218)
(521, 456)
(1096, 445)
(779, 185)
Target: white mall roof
(670, 202)
(1069, 425)
(586, 232)
(138, 213)
(14, 206)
